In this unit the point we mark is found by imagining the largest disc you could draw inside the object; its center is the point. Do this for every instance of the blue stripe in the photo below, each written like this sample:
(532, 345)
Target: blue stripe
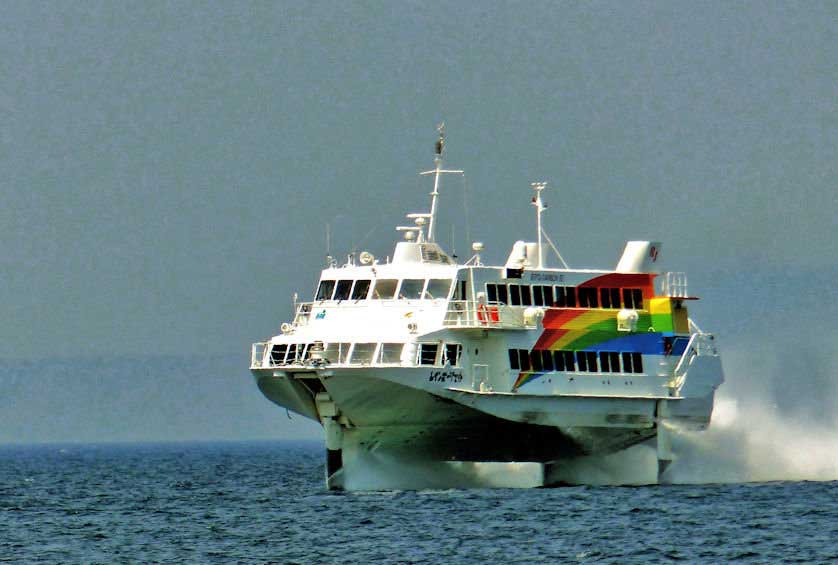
(650, 343)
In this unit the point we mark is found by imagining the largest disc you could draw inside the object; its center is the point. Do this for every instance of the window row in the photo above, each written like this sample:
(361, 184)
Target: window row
(544, 360)
(383, 289)
(564, 296)
(365, 353)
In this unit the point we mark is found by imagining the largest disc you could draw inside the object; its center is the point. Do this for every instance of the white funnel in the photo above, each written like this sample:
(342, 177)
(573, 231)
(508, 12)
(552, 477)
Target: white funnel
(640, 257)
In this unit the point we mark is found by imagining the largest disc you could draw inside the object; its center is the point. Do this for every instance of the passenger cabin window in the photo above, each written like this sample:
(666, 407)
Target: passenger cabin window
(524, 360)
(336, 353)
(513, 360)
(324, 291)
(582, 361)
(637, 362)
(588, 297)
(633, 298)
(362, 288)
(292, 353)
(460, 290)
(362, 353)
(632, 362)
(537, 296)
(491, 293)
(610, 297)
(546, 360)
(605, 298)
(565, 297)
(526, 296)
(452, 354)
(565, 360)
(637, 295)
(543, 296)
(604, 361)
(615, 297)
(342, 290)
(503, 294)
(427, 353)
(391, 352)
(411, 289)
(515, 295)
(385, 289)
(438, 288)
(535, 361)
(278, 353)
(615, 361)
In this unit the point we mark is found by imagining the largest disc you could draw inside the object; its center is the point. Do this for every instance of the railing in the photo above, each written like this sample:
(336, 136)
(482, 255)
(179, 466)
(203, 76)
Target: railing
(474, 314)
(257, 353)
(699, 344)
(319, 355)
(674, 285)
(302, 315)
(458, 314)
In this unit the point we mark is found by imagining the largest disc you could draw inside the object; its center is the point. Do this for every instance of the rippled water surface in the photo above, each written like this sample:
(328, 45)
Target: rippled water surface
(266, 503)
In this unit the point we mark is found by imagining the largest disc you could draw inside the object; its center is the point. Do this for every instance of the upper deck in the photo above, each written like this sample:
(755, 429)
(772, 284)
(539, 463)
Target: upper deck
(422, 289)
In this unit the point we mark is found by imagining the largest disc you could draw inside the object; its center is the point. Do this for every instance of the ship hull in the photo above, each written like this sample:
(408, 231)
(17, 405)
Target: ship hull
(374, 419)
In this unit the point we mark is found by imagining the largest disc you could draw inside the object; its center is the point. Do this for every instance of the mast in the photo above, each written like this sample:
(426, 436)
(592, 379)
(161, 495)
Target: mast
(438, 170)
(539, 209)
(440, 143)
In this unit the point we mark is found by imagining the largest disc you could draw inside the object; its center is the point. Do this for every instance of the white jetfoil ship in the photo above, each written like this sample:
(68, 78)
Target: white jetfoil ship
(427, 359)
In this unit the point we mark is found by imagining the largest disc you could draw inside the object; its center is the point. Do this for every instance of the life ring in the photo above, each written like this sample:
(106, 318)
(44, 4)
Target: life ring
(482, 314)
(487, 314)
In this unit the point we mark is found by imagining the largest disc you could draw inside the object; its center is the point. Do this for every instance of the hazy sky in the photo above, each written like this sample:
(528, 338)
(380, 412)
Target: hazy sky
(167, 169)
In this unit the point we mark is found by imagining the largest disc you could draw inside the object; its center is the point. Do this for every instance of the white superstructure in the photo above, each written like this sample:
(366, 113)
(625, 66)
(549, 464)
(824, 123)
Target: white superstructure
(427, 359)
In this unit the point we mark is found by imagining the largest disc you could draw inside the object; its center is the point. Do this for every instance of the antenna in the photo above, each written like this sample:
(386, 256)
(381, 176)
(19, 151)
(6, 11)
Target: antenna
(539, 208)
(328, 239)
(438, 170)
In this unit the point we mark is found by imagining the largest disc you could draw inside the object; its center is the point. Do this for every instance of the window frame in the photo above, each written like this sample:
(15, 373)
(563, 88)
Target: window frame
(392, 346)
(615, 297)
(355, 287)
(342, 284)
(581, 361)
(537, 295)
(526, 295)
(514, 360)
(524, 360)
(374, 290)
(427, 295)
(503, 295)
(458, 354)
(535, 361)
(372, 353)
(491, 292)
(419, 294)
(593, 364)
(420, 351)
(547, 360)
(637, 362)
(604, 362)
(605, 297)
(317, 296)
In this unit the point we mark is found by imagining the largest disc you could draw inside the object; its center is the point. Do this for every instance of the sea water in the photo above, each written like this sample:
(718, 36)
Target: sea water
(266, 502)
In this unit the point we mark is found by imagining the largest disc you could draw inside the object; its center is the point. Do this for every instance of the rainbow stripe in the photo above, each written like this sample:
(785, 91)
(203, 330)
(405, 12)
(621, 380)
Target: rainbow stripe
(580, 329)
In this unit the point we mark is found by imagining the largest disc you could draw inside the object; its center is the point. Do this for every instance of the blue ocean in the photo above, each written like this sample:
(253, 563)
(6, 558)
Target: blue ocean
(265, 502)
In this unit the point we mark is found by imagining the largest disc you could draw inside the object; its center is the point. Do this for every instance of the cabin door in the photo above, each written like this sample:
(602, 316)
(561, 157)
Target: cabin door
(479, 377)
